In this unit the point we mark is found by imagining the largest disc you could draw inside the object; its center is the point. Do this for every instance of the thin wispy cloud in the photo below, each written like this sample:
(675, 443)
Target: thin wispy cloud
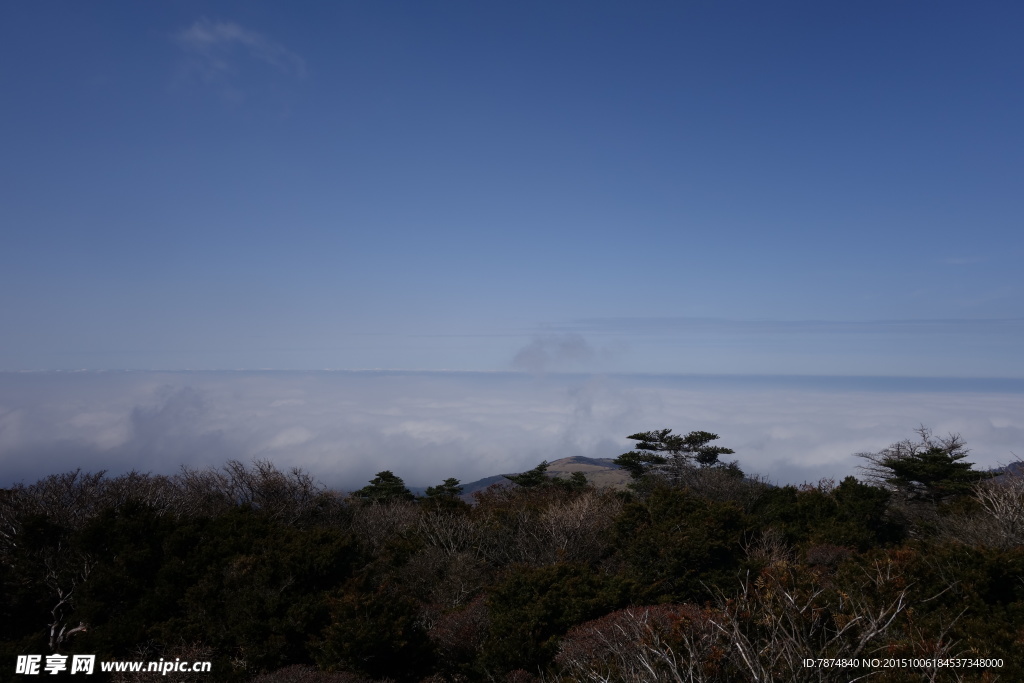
(220, 52)
(673, 325)
(961, 260)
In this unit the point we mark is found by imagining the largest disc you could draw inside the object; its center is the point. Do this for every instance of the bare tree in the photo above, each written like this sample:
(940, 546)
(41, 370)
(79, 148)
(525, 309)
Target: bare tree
(1002, 498)
(764, 633)
(290, 497)
(185, 651)
(577, 530)
(779, 620)
(451, 531)
(722, 484)
(36, 525)
(65, 572)
(660, 644)
(378, 524)
(544, 524)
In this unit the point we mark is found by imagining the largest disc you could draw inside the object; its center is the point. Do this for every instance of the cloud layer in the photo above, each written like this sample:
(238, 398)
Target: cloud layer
(345, 426)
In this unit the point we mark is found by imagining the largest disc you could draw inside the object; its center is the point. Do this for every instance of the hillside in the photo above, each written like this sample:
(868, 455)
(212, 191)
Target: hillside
(601, 472)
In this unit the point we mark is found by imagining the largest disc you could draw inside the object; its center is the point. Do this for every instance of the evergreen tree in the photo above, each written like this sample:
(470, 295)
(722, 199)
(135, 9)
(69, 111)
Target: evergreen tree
(663, 452)
(536, 477)
(930, 469)
(385, 487)
(449, 488)
(445, 496)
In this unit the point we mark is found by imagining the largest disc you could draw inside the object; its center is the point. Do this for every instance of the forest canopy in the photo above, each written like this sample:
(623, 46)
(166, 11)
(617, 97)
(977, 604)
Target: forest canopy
(697, 571)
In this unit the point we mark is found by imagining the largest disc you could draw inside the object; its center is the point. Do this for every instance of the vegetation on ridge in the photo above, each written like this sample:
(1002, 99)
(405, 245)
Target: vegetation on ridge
(697, 572)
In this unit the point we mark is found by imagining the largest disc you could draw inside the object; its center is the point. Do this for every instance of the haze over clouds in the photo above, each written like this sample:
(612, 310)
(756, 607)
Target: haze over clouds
(346, 426)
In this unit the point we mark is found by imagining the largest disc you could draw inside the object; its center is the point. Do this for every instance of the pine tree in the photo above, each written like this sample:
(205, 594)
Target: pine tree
(663, 452)
(930, 469)
(385, 487)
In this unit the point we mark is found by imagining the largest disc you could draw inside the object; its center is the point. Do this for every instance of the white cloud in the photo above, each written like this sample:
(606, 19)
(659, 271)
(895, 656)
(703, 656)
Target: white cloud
(344, 427)
(293, 436)
(428, 431)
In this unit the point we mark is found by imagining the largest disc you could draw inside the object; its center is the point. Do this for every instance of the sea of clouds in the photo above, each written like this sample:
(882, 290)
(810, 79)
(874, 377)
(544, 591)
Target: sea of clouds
(343, 427)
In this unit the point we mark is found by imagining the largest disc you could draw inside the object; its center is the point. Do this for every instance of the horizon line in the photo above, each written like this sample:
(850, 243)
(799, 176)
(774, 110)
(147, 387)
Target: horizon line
(524, 373)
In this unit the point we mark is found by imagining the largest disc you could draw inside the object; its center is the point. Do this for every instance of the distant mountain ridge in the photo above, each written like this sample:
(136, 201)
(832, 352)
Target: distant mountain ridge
(1014, 469)
(604, 473)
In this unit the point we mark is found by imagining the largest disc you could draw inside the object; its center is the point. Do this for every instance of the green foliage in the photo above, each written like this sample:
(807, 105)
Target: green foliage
(263, 599)
(861, 518)
(851, 514)
(25, 597)
(931, 469)
(448, 489)
(639, 463)
(250, 587)
(677, 546)
(666, 453)
(934, 474)
(262, 572)
(374, 630)
(445, 496)
(577, 481)
(536, 477)
(532, 607)
(125, 591)
(385, 487)
(973, 597)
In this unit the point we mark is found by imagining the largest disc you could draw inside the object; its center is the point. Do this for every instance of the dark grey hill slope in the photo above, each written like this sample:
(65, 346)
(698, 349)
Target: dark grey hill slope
(601, 472)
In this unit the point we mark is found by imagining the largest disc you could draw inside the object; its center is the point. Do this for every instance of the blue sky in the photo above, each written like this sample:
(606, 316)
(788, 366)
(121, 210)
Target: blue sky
(589, 205)
(728, 187)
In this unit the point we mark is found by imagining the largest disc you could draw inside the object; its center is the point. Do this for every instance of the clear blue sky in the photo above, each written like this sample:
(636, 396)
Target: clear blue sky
(756, 187)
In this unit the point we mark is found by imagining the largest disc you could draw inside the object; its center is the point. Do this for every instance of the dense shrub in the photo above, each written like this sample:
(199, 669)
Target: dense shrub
(706, 576)
(851, 514)
(675, 546)
(532, 607)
